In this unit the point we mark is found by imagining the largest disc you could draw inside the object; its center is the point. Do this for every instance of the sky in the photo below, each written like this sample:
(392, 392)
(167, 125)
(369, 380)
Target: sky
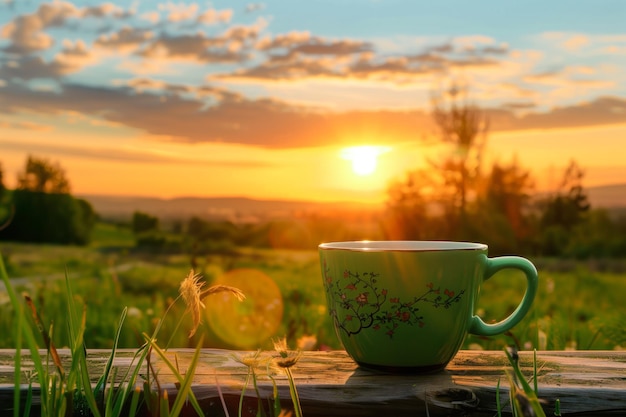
(325, 100)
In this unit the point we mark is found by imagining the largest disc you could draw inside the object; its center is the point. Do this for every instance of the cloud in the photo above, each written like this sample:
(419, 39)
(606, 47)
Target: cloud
(231, 46)
(519, 105)
(126, 38)
(299, 56)
(73, 57)
(26, 33)
(104, 10)
(36, 127)
(303, 43)
(263, 122)
(213, 16)
(195, 48)
(141, 85)
(177, 112)
(30, 67)
(254, 7)
(582, 43)
(604, 110)
(190, 13)
(153, 17)
(574, 43)
(126, 155)
(179, 12)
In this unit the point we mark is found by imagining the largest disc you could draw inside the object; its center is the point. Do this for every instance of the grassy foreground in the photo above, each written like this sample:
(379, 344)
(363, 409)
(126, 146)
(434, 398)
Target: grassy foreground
(574, 309)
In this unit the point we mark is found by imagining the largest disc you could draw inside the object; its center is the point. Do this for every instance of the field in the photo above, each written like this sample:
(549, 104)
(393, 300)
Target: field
(578, 306)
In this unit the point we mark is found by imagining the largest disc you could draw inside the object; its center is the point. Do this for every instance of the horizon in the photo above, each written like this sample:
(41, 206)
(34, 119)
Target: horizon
(243, 197)
(597, 195)
(324, 102)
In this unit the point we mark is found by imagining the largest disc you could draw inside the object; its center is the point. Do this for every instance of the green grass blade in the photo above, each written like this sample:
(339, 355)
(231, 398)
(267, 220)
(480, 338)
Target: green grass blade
(179, 378)
(275, 405)
(243, 393)
(184, 391)
(79, 374)
(134, 402)
(498, 404)
(131, 378)
(109, 403)
(17, 389)
(71, 309)
(29, 400)
(528, 391)
(535, 383)
(165, 405)
(295, 398)
(102, 381)
(109, 365)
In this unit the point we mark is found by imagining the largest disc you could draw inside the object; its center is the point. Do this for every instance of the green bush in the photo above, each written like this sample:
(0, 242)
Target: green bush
(49, 218)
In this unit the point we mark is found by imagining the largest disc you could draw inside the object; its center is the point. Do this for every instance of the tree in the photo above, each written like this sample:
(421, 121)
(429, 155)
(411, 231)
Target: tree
(407, 208)
(502, 216)
(143, 222)
(563, 210)
(508, 191)
(206, 237)
(443, 191)
(49, 218)
(464, 126)
(568, 205)
(6, 209)
(42, 209)
(43, 176)
(2, 186)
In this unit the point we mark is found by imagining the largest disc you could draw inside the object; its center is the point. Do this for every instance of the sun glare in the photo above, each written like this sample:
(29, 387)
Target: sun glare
(364, 158)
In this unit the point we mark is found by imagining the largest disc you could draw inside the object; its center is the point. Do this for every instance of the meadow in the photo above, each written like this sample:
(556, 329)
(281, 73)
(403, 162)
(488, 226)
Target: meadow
(578, 306)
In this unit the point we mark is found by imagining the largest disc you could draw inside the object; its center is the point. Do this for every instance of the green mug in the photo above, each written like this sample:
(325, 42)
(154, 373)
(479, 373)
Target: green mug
(407, 306)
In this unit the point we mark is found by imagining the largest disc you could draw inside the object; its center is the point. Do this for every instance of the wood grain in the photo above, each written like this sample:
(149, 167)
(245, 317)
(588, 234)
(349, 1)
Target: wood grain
(587, 383)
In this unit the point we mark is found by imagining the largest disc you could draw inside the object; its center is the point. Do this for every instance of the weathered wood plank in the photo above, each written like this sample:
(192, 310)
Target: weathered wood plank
(587, 383)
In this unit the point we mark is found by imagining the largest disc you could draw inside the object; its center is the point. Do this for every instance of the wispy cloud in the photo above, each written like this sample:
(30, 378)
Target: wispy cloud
(37, 127)
(123, 155)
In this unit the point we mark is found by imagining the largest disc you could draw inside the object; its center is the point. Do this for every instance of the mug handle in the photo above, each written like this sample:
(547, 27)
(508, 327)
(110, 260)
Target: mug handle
(493, 265)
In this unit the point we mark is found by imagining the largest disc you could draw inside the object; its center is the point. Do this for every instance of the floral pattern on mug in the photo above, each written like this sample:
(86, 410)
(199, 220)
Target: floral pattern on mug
(365, 305)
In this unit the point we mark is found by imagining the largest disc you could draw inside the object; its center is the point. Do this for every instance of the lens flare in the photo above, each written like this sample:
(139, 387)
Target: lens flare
(251, 323)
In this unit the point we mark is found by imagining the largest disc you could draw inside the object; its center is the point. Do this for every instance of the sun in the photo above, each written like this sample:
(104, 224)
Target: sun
(364, 158)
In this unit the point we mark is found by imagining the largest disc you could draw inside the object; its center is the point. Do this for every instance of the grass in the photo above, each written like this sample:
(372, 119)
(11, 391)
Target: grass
(109, 281)
(573, 310)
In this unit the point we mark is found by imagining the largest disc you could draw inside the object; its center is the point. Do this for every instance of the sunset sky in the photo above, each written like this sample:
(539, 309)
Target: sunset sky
(268, 100)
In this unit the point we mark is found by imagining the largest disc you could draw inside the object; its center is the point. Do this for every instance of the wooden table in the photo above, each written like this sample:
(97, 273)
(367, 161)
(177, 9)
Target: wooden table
(587, 383)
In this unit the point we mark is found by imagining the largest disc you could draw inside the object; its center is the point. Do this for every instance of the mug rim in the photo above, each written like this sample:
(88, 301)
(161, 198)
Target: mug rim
(402, 246)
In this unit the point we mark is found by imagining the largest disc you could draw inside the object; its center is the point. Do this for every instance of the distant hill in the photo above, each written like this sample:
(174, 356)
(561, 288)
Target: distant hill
(241, 209)
(608, 196)
(238, 209)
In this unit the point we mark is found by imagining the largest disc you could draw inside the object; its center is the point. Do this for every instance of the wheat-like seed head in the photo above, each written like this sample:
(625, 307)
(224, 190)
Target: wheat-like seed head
(192, 293)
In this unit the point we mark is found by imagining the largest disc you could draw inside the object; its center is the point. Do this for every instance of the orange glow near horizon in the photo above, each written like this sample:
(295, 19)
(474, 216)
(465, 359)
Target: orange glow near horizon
(325, 174)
